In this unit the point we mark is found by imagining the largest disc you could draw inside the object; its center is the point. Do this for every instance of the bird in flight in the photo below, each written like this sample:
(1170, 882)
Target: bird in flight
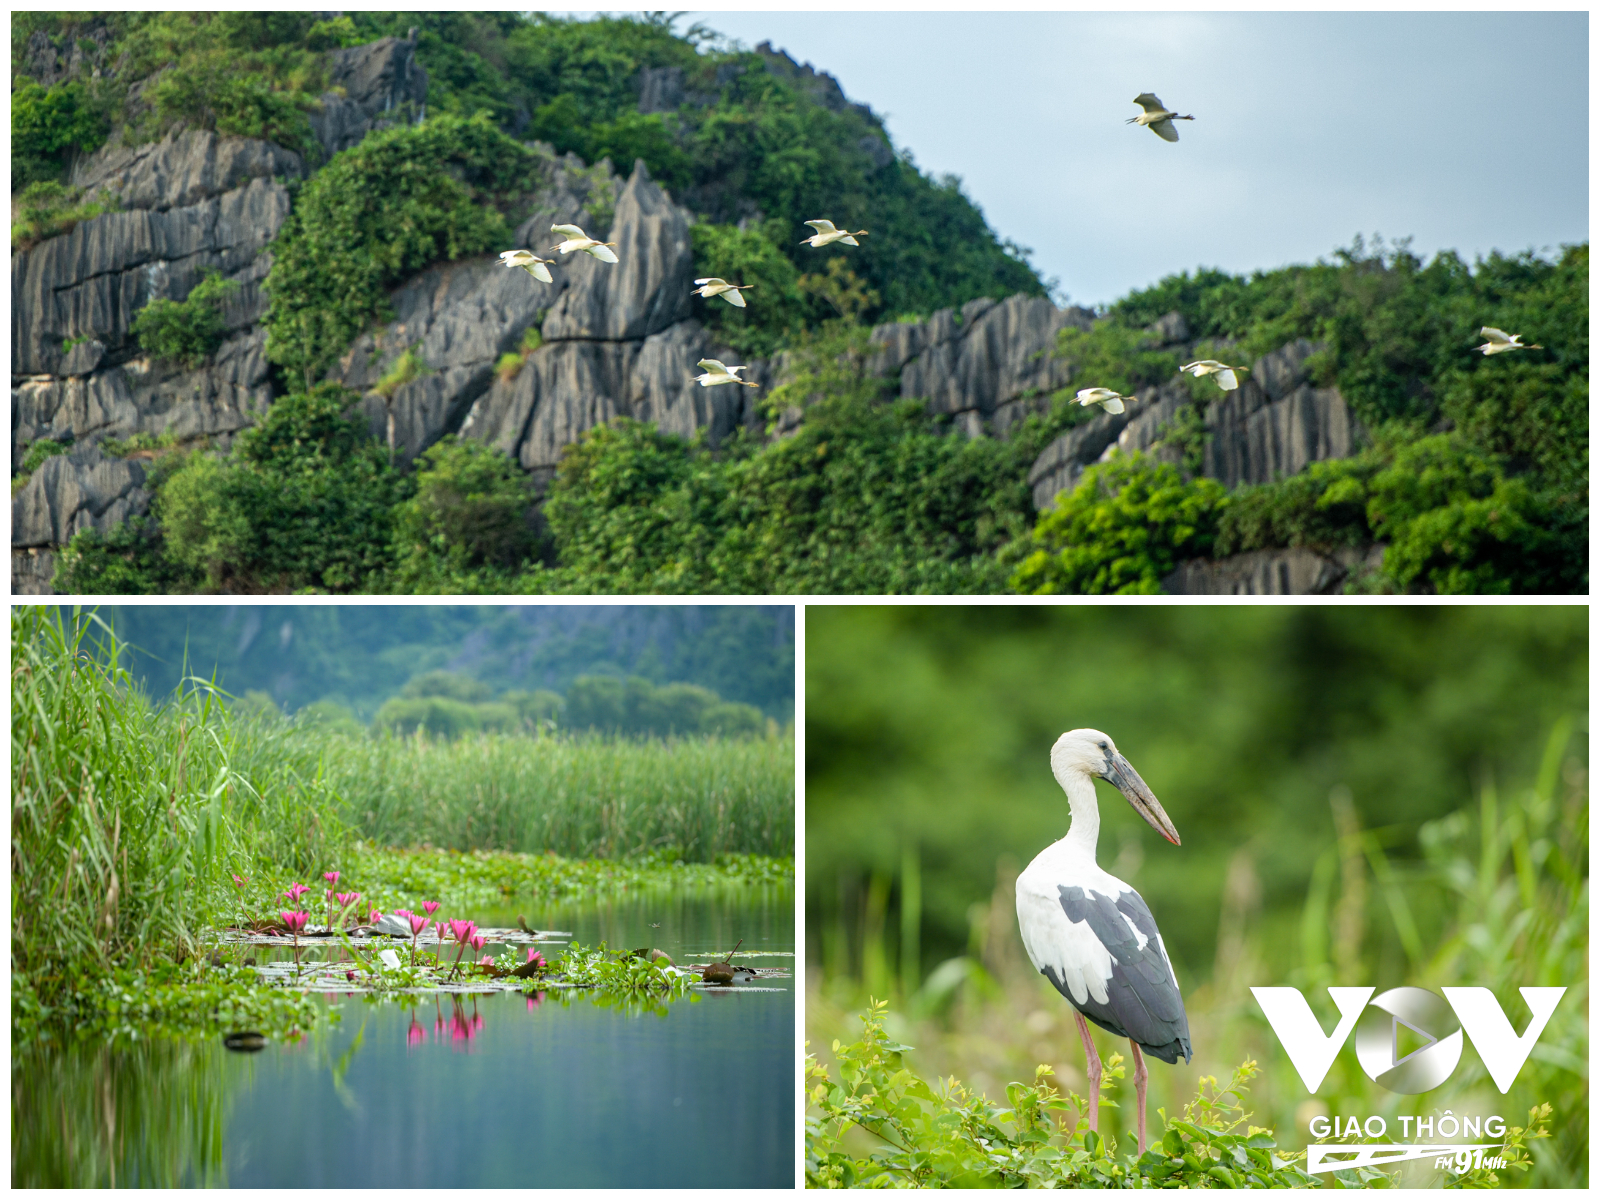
(716, 373)
(529, 262)
(1104, 397)
(712, 286)
(1156, 116)
(577, 239)
(1500, 341)
(1225, 377)
(826, 235)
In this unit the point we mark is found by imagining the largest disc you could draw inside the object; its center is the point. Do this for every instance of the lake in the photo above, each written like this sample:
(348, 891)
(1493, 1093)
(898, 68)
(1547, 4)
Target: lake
(499, 1090)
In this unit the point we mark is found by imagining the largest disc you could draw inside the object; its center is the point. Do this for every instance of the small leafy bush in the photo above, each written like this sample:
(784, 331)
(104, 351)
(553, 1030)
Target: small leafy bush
(409, 366)
(305, 501)
(40, 450)
(186, 331)
(940, 1135)
(49, 209)
(1121, 530)
(403, 199)
(472, 513)
(48, 125)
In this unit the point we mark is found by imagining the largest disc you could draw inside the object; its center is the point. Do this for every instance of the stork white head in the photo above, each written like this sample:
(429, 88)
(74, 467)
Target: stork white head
(1088, 752)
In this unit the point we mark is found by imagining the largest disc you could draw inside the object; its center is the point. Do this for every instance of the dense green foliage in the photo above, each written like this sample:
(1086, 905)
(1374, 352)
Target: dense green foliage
(450, 705)
(775, 309)
(186, 331)
(402, 199)
(469, 524)
(304, 501)
(1121, 531)
(47, 126)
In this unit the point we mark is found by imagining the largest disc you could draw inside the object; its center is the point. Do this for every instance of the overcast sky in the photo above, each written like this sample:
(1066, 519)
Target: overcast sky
(1461, 130)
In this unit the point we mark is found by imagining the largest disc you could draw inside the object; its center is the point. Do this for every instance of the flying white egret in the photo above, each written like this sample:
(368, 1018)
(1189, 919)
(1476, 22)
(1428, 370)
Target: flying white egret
(826, 235)
(529, 262)
(712, 286)
(1091, 935)
(1500, 341)
(1104, 397)
(716, 373)
(577, 239)
(1226, 379)
(1156, 116)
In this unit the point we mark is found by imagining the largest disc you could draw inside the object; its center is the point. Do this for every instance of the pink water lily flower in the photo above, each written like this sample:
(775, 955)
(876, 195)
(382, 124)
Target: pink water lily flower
(418, 924)
(372, 917)
(430, 907)
(402, 912)
(536, 958)
(239, 881)
(346, 899)
(462, 931)
(485, 961)
(331, 876)
(478, 941)
(296, 892)
(294, 922)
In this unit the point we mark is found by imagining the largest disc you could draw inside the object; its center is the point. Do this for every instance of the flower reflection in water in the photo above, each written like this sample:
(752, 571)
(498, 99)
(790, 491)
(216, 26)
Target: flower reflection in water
(535, 1000)
(416, 1034)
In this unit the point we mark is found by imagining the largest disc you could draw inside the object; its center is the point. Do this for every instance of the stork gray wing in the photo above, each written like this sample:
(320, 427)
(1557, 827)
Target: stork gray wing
(1142, 999)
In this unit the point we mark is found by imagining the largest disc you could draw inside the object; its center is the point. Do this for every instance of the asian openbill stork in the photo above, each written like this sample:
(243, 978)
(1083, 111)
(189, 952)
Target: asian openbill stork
(1091, 935)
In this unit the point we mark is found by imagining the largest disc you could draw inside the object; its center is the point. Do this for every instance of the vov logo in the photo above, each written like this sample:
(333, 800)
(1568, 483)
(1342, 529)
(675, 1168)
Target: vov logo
(1440, 1025)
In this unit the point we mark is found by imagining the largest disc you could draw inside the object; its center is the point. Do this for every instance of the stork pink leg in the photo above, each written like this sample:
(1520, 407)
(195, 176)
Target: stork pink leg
(1094, 1072)
(1140, 1075)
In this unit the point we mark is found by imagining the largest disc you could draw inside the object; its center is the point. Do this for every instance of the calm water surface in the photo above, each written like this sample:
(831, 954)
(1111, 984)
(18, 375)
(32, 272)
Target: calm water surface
(503, 1091)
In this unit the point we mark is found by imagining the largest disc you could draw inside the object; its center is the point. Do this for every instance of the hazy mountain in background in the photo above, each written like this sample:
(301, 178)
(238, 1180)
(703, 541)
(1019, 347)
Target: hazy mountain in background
(360, 656)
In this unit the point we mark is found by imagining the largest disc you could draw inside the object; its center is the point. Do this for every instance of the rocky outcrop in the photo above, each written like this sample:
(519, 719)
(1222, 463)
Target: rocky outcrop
(1298, 571)
(76, 491)
(32, 571)
(1273, 425)
(989, 366)
(378, 84)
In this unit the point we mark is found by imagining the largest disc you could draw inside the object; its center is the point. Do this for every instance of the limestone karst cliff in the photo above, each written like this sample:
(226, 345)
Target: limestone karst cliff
(611, 341)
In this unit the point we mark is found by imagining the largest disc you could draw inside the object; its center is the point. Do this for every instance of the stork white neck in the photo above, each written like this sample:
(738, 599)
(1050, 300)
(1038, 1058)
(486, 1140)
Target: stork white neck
(1084, 833)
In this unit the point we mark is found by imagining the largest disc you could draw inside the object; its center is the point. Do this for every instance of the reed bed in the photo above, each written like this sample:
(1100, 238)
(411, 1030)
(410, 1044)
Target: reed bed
(580, 796)
(128, 819)
(1499, 900)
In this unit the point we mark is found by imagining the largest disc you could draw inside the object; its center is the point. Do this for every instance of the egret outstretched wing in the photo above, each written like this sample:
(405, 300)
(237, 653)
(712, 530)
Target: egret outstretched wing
(1148, 102)
(821, 226)
(734, 297)
(603, 253)
(1164, 130)
(712, 365)
(569, 230)
(710, 279)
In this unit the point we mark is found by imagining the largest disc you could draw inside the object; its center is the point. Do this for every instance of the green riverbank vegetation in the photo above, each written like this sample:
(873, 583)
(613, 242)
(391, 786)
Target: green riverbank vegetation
(134, 822)
(1376, 797)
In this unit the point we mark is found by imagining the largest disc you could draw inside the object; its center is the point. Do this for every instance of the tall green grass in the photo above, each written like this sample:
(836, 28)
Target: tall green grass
(1500, 900)
(581, 796)
(127, 817)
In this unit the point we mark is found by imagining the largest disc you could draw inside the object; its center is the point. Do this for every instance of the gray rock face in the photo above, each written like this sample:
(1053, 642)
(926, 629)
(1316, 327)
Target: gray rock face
(75, 491)
(660, 89)
(989, 365)
(1275, 423)
(644, 292)
(380, 76)
(32, 570)
(183, 169)
(1294, 572)
(91, 281)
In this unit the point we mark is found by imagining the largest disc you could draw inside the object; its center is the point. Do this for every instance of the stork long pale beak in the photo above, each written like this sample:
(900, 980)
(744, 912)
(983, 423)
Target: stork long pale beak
(1119, 773)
